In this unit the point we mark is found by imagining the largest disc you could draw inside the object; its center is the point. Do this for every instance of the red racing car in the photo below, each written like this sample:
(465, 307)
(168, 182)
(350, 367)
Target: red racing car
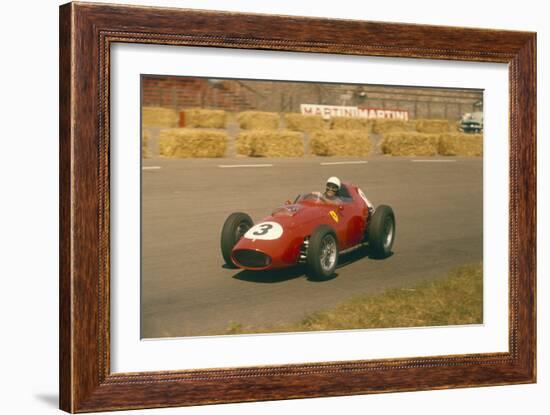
(312, 230)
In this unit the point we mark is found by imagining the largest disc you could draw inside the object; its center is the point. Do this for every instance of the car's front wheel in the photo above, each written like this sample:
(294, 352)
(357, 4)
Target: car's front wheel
(322, 253)
(234, 228)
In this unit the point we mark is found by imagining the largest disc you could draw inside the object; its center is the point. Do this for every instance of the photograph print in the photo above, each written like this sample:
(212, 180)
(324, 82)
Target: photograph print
(280, 207)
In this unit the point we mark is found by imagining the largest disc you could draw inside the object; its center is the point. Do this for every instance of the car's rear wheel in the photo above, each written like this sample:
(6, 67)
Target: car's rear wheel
(233, 229)
(322, 253)
(381, 232)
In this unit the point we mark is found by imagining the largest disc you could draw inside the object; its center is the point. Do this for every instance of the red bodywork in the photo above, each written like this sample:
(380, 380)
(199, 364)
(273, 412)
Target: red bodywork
(297, 221)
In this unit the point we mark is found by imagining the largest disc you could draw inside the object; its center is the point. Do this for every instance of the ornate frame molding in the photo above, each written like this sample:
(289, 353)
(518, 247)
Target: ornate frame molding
(86, 33)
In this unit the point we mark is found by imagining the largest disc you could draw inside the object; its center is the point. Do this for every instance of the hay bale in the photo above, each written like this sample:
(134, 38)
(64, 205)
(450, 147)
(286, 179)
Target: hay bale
(258, 120)
(432, 126)
(348, 123)
(304, 123)
(454, 126)
(410, 144)
(190, 142)
(202, 118)
(145, 144)
(383, 126)
(159, 117)
(341, 143)
(270, 143)
(460, 144)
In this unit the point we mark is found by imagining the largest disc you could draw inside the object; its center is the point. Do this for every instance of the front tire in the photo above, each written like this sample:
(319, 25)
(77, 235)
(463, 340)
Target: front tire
(233, 229)
(381, 232)
(322, 253)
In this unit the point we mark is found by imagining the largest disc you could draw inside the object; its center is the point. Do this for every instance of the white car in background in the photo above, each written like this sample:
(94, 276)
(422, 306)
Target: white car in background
(471, 122)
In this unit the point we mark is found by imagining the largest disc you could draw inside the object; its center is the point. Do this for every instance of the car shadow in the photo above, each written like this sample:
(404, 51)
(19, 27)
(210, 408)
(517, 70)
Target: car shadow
(274, 276)
(358, 254)
(373, 258)
(225, 266)
(316, 281)
(271, 276)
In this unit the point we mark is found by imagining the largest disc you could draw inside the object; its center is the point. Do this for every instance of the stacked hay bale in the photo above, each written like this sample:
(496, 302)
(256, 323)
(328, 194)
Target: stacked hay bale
(422, 144)
(158, 117)
(341, 143)
(192, 142)
(433, 126)
(258, 120)
(304, 123)
(203, 118)
(199, 138)
(410, 144)
(144, 144)
(347, 123)
(460, 144)
(454, 126)
(384, 126)
(270, 143)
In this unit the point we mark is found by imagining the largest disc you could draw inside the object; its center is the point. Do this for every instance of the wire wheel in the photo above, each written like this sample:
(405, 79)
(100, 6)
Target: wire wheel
(328, 253)
(322, 253)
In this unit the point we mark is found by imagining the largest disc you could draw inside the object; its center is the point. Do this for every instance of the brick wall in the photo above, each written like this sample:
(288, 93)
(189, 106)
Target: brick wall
(180, 92)
(237, 95)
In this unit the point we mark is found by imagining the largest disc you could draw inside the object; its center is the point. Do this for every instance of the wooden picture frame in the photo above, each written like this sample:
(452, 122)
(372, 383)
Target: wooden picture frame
(86, 33)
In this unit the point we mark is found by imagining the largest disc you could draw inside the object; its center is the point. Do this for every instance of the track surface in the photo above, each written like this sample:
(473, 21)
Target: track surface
(186, 291)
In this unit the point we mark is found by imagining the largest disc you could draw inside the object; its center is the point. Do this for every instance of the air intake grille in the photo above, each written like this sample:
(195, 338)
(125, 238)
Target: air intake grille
(251, 259)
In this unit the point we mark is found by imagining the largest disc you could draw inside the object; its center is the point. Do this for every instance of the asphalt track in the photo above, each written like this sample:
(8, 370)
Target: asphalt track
(186, 290)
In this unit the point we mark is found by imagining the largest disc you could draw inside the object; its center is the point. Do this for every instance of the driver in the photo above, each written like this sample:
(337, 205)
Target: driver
(331, 191)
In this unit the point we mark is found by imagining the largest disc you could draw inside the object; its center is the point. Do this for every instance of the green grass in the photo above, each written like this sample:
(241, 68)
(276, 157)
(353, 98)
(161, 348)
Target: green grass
(454, 300)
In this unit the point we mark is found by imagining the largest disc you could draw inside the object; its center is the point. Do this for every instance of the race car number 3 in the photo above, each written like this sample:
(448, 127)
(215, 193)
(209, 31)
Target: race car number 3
(265, 230)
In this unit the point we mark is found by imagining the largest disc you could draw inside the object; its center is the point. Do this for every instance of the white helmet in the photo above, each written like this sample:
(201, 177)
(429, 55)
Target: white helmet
(335, 181)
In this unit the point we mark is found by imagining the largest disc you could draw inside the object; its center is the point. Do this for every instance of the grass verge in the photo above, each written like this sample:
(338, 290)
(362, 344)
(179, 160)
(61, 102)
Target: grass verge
(456, 299)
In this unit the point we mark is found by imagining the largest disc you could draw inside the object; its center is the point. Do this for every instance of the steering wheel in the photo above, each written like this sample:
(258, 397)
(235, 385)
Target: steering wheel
(315, 196)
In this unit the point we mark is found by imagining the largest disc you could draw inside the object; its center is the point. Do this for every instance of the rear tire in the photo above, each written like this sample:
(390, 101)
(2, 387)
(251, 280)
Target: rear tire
(381, 232)
(233, 229)
(322, 253)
